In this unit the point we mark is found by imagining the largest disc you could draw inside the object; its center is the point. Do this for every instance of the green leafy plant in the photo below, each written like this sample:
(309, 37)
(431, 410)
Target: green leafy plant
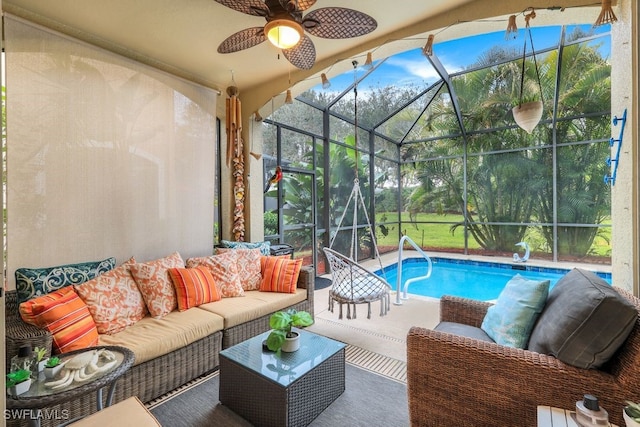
(40, 353)
(633, 410)
(16, 377)
(281, 323)
(52, 362)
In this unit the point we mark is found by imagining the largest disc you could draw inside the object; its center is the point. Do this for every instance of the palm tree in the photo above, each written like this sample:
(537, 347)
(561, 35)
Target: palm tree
(582, 195)
(510, 173)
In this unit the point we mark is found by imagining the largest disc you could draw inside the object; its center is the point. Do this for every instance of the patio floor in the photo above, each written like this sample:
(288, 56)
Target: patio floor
(386, 335)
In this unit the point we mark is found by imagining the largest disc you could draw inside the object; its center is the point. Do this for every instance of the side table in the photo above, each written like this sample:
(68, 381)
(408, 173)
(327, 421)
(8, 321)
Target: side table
(549, 416)
(39, 396)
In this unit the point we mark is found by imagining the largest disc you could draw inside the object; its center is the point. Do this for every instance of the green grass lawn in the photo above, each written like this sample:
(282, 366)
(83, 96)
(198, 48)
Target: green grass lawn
(428, 235)
(440, 235)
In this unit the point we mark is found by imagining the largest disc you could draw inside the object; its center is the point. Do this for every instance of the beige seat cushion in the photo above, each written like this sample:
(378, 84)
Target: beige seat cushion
(128, 413)
(150, 338)
(252, 305)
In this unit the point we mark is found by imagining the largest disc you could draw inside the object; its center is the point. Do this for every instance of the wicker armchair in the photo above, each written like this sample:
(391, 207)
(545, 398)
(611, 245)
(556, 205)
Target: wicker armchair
(453, 380)
(353, 284)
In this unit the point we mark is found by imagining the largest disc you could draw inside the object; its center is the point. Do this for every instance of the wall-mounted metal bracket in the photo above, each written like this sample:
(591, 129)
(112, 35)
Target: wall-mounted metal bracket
(613, 162)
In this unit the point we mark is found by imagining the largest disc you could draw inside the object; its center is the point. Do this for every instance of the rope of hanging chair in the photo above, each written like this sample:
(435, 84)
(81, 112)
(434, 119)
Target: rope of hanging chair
(355, 120)
(355, 192)
(356, 181)
(356, 178)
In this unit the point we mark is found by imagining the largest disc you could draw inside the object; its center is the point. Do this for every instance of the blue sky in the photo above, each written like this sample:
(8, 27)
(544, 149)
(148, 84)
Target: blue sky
(411, 67)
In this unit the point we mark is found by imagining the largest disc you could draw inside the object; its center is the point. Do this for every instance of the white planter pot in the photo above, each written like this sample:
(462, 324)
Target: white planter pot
(291, 344)
(51, 373)
(41, 365)
(20, 388)
(527, 115)
(629, 421)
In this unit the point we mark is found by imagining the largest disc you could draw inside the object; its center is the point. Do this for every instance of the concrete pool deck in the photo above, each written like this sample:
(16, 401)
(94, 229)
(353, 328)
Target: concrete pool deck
(386, 335)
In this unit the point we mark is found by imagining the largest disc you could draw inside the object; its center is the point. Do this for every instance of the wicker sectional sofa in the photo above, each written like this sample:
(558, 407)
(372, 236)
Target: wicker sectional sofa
(191, 350)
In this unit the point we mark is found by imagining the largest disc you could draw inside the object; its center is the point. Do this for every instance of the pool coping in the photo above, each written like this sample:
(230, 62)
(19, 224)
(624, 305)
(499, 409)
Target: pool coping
(389, 260)
(515, 266)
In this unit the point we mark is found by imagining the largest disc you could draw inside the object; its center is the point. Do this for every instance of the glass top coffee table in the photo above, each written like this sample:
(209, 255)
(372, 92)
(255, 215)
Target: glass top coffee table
(282, 389)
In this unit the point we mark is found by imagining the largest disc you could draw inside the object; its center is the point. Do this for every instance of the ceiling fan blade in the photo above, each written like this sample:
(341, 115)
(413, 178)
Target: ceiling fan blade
(299, 5)
(250, 7)
(338, 23)
(303, 55)
(243, 39)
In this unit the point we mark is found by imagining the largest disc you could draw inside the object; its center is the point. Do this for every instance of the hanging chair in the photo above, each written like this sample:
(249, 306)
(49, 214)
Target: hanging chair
(351, 283)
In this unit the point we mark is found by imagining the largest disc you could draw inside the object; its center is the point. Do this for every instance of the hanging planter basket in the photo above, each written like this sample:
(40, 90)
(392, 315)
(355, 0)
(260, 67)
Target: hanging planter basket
(528, 115)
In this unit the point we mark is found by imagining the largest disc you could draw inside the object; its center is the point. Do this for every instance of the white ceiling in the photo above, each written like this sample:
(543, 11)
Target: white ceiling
(182, 36)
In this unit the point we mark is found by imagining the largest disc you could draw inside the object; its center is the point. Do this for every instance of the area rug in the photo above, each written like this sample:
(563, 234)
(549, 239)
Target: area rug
(375, 395)
(322, 282)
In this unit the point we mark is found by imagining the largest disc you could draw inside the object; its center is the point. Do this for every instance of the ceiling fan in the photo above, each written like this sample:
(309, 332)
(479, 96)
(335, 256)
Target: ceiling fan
(286, 26)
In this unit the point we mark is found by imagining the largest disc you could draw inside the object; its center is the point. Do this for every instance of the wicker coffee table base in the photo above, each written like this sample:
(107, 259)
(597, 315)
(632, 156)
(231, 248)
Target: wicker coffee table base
(264, 402)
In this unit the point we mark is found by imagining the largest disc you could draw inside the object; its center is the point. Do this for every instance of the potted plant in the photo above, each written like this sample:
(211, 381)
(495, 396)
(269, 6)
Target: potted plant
(52, 367)
(18, 382)
(631, 414)
(39, 354)
(281, 336)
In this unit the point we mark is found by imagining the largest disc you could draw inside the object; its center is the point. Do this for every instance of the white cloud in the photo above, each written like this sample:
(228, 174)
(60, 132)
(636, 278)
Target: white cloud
(420, 67)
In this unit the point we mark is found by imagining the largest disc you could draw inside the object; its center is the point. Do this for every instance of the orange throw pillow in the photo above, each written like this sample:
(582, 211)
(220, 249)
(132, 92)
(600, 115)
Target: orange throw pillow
(155, 285)
(194, 286)
(224, 270)
(113, 298)
(248, 261)
(67, 317)
(26, 308)
(279, 274)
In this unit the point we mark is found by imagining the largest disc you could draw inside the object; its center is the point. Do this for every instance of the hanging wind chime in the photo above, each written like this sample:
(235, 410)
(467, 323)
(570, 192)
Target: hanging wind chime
(527, 115)
(606, 14)
(235, 158)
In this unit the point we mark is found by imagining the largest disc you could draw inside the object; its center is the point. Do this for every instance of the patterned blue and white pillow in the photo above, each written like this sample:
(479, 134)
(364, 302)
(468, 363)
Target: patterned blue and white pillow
(33, 282)
(510, 320)
(265, 247)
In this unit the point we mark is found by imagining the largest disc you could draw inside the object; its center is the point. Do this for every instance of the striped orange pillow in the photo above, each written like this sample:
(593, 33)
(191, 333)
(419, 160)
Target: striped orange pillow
(26, 308)
(68, 319)
(224, 269)
(279, 274)
(194, 286)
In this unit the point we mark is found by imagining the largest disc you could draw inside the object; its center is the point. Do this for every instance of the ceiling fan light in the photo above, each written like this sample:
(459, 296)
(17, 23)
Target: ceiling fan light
(283, 33)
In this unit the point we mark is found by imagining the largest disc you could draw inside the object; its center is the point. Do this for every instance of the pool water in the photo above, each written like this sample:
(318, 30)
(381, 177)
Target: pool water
(470, 279)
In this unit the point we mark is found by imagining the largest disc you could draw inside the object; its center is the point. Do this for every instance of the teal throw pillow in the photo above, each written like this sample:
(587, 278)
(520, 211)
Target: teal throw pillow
(265, 247)
(510, 320)
(33, 282)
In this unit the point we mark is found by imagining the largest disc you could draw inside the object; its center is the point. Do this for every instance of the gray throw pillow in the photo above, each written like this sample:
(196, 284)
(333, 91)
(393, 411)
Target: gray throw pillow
(584, 321)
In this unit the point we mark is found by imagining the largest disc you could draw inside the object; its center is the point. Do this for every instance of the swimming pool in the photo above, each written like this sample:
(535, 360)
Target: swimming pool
(478, 280)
